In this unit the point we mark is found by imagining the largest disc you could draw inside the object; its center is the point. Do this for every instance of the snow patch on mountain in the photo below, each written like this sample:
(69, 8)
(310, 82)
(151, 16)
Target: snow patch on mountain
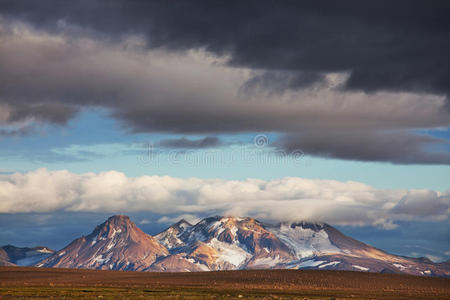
(305, 242)
(201, 266)
(45, 250)
(401, 267)
(360, 268)
(110, 245)
(330, 264)
(309, 263)
(230, 253)
(100, 259)
(267, 261)
(115, 231)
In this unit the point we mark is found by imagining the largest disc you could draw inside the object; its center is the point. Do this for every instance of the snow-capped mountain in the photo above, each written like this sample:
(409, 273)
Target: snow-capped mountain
(117, 244)
(230, 243)
(321, 246)
(220, 243)
(305, 239)
(11, 255)
(227, 243)
(169, 237)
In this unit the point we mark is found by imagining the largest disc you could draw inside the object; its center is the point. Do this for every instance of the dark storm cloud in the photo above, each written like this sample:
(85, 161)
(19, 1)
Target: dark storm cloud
(280, 81)
(394, 147)
(52, 112)
(394, 45)
(317, 68)
(206, 142)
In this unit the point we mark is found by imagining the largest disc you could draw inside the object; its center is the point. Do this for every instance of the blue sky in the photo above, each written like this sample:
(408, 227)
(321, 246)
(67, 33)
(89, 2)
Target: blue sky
(93, 142)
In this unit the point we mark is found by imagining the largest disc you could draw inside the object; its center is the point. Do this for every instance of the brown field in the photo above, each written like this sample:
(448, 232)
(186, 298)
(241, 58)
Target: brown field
(36, 283)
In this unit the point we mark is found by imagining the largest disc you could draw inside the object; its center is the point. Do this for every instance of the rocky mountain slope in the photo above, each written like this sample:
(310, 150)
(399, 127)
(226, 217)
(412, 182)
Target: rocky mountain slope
(11, 255)
(117, 244)
(229, 243)
(226, 244)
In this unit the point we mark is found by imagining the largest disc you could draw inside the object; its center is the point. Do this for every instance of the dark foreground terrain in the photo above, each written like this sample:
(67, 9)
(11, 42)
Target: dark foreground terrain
(37, 283)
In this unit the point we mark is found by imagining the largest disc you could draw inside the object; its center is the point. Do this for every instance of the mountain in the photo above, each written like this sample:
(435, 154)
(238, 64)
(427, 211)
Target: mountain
(117, 244)
(219, 243)
(11, 255)
(321, 246)
(169, 237)
(226, 243)
(230, 243)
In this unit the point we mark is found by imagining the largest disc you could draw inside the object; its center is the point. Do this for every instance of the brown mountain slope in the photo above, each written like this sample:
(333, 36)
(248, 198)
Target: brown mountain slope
(116, 244)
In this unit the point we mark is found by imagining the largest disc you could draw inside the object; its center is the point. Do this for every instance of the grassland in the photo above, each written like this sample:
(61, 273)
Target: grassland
(35, 283)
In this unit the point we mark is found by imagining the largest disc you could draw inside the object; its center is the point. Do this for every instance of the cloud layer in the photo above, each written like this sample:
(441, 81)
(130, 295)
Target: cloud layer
(48, 76)
(386, 45)
(399, 146)
(207, 142)
(286, 199)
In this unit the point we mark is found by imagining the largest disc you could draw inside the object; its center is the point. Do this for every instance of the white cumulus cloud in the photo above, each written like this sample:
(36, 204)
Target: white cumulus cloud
(285, 199)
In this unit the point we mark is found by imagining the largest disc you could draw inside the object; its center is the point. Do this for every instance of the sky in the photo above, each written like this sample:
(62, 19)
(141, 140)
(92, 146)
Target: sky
(324, 111)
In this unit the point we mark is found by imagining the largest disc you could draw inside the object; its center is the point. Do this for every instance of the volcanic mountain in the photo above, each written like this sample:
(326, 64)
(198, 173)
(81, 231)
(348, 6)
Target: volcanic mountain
(117, 244)
(230, 243)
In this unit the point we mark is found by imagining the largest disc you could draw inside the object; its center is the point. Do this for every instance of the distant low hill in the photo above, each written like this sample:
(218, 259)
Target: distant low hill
(11, 255)
(230, 243)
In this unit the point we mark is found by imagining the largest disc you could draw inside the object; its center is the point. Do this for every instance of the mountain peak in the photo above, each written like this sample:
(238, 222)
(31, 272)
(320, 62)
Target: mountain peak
(225, 219)
(116, 223)
(115, 244)
(180, 226)
(118, 219)
(183, 223)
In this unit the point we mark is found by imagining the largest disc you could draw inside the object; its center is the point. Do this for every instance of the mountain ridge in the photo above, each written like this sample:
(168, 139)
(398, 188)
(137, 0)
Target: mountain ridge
(231, 243)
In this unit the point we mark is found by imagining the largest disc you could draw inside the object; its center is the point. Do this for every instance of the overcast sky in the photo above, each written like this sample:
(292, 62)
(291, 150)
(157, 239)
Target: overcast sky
(328, 111)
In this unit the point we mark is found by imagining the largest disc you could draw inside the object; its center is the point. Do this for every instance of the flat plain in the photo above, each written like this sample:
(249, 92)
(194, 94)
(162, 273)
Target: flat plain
(43, 283)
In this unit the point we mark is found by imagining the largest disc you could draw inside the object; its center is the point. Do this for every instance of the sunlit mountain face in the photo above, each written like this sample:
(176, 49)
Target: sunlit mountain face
(220, 243)
(329, 119)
